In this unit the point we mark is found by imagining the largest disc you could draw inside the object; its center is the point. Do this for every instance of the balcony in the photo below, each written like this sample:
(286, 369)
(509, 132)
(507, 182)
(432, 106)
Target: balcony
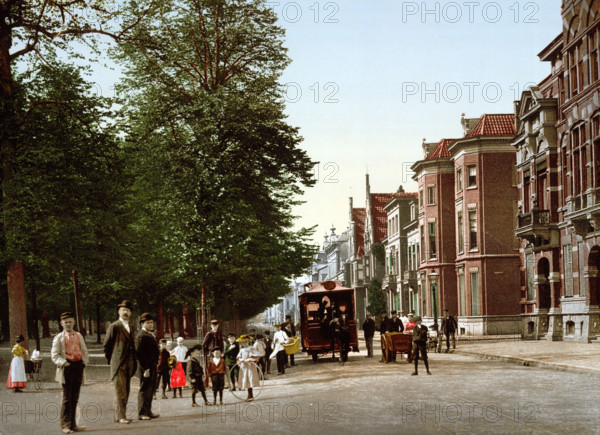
(536, 228)
(389, 281)
(584, 213)
(410, 278)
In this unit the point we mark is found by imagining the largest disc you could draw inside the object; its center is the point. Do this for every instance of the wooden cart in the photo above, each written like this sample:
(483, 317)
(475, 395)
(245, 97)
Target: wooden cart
(394, 343)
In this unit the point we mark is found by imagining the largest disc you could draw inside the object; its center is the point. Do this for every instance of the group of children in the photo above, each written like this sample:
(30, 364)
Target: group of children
(243, 356)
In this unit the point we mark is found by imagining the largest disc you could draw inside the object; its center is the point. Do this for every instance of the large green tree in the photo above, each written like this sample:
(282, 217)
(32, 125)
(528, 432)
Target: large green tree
(202, 95)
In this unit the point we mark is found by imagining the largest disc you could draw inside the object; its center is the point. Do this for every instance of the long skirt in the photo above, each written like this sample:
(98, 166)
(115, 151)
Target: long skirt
(178, 376)
(248, 376)
(16, 374)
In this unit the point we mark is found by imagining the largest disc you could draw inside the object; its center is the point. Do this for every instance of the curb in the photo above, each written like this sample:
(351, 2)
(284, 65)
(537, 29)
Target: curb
(532, 363)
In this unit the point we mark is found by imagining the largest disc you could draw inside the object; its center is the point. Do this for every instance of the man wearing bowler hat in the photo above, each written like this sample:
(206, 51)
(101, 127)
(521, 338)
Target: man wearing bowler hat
(70, 355)
(147, 354)
(212, 339)
(119, 349)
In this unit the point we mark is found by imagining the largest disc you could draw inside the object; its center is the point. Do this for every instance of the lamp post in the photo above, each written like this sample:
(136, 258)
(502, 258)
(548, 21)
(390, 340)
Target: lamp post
(433, 279)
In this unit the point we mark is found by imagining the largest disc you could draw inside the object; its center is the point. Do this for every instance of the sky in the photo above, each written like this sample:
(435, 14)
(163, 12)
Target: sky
(369, 80)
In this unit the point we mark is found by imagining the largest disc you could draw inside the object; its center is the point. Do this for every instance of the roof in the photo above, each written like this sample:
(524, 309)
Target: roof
(378, 213)
(325, 286)
(441, 150)
(495, 125)
(358, 217)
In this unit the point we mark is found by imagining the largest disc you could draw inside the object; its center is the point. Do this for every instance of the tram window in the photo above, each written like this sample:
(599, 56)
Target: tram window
(311, 310)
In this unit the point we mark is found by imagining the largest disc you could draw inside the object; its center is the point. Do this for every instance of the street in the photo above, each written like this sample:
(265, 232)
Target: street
(465, 394)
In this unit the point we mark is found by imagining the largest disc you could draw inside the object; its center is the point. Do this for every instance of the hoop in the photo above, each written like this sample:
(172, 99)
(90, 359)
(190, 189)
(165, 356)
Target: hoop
(255, 390)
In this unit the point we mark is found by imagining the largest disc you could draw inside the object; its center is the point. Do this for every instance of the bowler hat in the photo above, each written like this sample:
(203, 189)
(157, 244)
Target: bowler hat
(125, 304)
(66, 315)
(394, 312)
(214, 322)
(145, 316)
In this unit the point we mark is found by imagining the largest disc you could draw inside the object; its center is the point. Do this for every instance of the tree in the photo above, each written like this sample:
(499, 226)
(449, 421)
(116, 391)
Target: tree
(231, 165)
(36, 28)
(376, 298)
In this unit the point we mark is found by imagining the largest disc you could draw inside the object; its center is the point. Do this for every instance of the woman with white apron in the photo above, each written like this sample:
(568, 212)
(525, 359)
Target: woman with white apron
(17, 378)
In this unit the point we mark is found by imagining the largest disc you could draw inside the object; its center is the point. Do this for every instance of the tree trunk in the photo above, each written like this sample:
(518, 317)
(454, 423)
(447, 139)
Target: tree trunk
(16, 302)
(180, 327)
(90, 330)
(36, 331)
(160, 320)
(78, 310)
(171, 326)
(45, 324)
(98, 320)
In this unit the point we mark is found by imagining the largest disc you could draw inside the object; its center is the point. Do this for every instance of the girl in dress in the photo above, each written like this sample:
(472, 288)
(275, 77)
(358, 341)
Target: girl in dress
(247, 359)
(16, 375)
(177, 378)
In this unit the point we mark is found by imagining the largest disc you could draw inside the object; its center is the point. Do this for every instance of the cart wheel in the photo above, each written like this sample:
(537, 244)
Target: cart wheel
(315, 357)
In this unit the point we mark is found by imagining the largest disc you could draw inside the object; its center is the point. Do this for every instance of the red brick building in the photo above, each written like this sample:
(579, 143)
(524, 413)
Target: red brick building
(558, 149)
(467, 209)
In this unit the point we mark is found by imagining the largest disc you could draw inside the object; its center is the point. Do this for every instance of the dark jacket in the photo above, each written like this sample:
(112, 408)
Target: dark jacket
(268, 346)
(231, 353)
(163, 360)
(396, 325)
(369, 328)
(290, 329)
(212, 340)
(449, 325)
(147, 350)
(385, 325)
(119, 346)
(420, 334)
(194, 370)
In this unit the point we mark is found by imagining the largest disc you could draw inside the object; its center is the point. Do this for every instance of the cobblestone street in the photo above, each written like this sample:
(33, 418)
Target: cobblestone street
(465, 394)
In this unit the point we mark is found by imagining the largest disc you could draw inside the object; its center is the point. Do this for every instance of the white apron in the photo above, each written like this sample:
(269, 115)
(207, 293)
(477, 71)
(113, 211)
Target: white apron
(17, 370)
(248, 377)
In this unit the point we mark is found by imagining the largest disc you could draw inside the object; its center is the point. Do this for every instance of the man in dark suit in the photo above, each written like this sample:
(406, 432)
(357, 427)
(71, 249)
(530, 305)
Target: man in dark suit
(369, 329)
(384, 326)
(395, 326)
(147, 354)
(119, 349)
(212, 339)
(268, 351)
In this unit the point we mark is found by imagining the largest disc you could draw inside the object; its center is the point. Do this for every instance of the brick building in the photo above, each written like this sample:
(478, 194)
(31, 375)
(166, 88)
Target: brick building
(558, 151)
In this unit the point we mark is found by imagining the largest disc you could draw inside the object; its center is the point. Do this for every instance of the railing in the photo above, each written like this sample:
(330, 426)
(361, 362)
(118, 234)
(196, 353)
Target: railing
(410, 274)
(534, 217)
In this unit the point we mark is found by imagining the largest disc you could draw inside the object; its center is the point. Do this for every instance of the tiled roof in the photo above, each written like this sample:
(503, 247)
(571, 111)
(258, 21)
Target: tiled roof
(441, 150)
(358, 217)
(379, 215)
(495, 125)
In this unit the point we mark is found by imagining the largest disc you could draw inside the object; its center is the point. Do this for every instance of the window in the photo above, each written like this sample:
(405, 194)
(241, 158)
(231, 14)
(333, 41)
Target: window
(581, 257)
(526, 191)
(473, 245)
(475, 308)
(422, 243)
(568, 269)
(432, 245)
(463, 301)
(472, 174)
(458, 179)
(460, 232)
(430, 195)
(420, 197)
(413, 212)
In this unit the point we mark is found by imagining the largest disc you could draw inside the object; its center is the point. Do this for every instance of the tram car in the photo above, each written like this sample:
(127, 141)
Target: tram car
(321, 302)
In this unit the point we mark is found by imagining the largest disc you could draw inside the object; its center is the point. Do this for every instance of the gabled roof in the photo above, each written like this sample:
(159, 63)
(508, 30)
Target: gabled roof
(441, 150)
(358, 217)
(378, 213)
(495, 125)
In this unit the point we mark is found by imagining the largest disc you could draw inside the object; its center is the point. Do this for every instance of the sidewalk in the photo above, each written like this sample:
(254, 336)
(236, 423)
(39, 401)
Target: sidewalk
(558, 355)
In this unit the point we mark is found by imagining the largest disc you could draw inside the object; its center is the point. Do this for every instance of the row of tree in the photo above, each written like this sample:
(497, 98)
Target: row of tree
(187, 178)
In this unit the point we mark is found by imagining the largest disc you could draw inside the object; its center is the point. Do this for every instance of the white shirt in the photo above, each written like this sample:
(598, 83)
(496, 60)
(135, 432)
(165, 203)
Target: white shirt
(125, 324)
(180, 352)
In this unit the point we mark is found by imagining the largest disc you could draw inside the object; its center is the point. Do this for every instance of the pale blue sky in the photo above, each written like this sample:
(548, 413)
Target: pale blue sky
(375, 60)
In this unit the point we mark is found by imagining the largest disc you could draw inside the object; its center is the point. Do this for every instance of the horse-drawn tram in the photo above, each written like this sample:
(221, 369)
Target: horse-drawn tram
(322, 302)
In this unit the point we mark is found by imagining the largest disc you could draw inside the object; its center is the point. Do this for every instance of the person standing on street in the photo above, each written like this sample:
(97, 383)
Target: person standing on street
(231, 353)
(279, 340)
(147, 354)
(17, 378)
(290, 330)
(212, 339)
(196, 374)
(449, 327)
(163, 368)
(119, 350)
(180, 351)
(268, 350)
(420, 336)
(395, 326)
(384, 327)
(369, 330)
(216, 372)
(70, 355)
